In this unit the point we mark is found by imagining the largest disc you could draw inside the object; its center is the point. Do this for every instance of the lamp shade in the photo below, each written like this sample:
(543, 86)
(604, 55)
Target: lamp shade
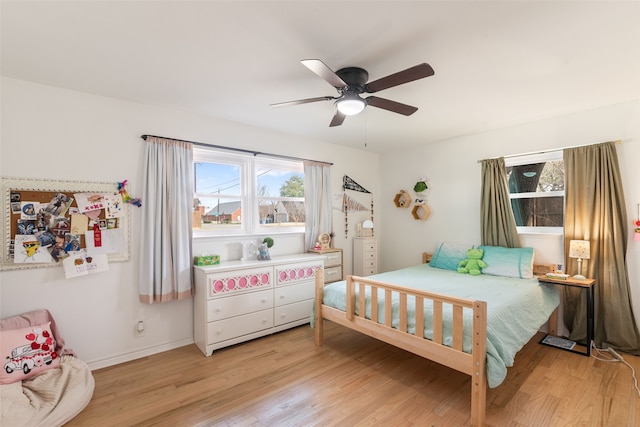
(579, 249)
(350, 106)
(367, 224)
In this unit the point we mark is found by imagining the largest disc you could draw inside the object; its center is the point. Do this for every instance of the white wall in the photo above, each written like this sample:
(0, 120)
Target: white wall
(50, 133)
(454, 176)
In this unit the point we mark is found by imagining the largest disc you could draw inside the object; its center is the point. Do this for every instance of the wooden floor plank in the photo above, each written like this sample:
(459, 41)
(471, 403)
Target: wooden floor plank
(353, 380)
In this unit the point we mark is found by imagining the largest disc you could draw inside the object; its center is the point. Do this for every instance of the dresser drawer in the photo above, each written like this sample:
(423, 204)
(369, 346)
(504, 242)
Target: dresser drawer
(368, 271)
(370, 264)
(333, 259)
(369, 255)
(369, 245)
(234, 327)
(232, 282)
(332, 274)
(222, 308)
(286, 274)
(292, 312)
(294, 293)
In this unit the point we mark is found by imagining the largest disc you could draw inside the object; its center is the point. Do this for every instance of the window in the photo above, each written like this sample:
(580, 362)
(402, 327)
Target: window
(244, 194)
(536, 187)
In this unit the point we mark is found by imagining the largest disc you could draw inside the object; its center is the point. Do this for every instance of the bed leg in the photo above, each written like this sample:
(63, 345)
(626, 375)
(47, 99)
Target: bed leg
(318, 320)
(479, 376)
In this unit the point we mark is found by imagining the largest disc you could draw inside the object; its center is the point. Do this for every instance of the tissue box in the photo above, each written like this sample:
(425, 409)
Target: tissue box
(207, 260)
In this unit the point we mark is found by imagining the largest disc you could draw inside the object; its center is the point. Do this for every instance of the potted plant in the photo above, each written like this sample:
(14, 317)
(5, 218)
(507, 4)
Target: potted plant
(421, 186)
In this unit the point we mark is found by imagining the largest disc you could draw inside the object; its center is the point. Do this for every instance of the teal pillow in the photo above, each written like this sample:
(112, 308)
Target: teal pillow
(448, 255)
(509, 262)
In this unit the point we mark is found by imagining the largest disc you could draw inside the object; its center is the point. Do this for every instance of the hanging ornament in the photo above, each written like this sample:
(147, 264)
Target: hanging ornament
(125, 195)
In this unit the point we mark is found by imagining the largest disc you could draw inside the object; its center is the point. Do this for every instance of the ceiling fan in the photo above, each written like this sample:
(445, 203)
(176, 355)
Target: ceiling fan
(351, 82)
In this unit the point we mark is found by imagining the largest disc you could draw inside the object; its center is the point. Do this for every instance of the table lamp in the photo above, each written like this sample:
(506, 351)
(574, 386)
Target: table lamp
(367, 228)
(579, 249)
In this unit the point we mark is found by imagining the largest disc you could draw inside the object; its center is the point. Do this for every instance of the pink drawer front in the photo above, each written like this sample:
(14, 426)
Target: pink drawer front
(293, 273)
(238, 281)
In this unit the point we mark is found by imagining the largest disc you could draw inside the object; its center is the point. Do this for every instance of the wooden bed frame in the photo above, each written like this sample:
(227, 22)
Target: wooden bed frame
(471, 364)
(453, 357)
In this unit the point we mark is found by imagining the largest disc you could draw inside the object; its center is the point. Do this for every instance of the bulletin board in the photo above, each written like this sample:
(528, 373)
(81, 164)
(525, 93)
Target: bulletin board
(42, 219)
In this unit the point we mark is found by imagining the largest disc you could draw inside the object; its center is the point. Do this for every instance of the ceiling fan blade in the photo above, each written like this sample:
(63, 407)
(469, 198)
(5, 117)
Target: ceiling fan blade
(302, 101)
(401, 77)
(387, 104)
(338, 118)
(325, 73)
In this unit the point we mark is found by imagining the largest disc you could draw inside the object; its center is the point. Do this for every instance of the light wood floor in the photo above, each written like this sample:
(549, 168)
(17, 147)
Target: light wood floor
(353, 380)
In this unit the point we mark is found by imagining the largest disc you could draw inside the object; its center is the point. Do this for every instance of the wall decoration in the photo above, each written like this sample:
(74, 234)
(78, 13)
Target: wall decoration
(350, 184)
(402, 199)
(125, 195)
(421, 187)
(44, 221)
(420, 211)
(349, 204)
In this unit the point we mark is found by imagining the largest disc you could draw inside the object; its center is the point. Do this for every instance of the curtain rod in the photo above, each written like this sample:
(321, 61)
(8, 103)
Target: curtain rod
(619, 141)
(241, 150)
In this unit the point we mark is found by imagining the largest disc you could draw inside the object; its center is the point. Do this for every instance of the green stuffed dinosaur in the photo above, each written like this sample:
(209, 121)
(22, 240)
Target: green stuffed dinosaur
(474, 264)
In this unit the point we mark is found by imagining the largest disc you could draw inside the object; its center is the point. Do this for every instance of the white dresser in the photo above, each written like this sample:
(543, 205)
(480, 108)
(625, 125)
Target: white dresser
(365, 256)
(241, 300)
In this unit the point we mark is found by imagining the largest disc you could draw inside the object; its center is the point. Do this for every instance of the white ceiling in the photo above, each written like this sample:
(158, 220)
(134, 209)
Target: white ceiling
(496, 63)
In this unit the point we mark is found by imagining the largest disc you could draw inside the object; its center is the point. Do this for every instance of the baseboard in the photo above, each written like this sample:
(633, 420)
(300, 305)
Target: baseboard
(127, 357)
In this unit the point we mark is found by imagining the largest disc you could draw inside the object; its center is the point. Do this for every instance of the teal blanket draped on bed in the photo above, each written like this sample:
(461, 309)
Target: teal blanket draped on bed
(516, 308)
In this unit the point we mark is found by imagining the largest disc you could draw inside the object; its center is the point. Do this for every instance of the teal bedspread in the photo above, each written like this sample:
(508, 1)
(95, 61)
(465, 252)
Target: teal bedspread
(516, 308)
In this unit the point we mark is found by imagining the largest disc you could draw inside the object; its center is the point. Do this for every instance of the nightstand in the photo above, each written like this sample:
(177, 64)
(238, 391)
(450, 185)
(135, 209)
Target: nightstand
(588, 285)
(333, 270)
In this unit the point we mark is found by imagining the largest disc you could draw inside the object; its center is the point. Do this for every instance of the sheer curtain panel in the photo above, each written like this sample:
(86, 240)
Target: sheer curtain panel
(167, 205)
(317, 199)
(498, 226)
(595, 211)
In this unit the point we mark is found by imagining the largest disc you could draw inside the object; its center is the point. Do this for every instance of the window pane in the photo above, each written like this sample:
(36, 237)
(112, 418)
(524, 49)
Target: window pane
(278, 213)
(536, 177)
(538, 211)
(219, 213)
(274, 182)
(217, 178)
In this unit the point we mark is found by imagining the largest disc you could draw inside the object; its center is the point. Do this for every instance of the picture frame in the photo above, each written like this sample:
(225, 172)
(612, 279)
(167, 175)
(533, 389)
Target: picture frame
(325, 240)
(43, 191)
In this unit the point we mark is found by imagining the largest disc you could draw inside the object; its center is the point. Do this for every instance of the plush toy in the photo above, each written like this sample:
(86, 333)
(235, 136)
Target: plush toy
(474, 264)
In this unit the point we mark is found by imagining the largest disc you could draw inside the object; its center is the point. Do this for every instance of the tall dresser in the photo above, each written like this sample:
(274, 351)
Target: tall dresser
(241, 300)
(365, 256)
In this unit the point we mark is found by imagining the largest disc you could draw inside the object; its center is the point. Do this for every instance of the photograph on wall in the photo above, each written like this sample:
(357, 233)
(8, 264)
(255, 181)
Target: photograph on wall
(59, 204)
(29, 210)
(26, 226)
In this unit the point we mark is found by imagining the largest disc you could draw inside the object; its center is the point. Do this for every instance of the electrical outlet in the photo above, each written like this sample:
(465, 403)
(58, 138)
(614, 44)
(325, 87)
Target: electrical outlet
(140, 328)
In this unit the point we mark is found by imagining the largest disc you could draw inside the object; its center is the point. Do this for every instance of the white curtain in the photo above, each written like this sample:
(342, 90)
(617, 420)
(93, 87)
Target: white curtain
(167, 205)
(317, 199)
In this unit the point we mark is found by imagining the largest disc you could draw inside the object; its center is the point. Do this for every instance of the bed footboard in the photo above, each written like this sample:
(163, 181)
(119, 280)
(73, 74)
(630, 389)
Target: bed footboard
(453, 356)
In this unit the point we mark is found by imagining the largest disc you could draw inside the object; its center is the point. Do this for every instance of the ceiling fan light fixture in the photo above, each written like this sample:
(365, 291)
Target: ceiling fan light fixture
(350, 106)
